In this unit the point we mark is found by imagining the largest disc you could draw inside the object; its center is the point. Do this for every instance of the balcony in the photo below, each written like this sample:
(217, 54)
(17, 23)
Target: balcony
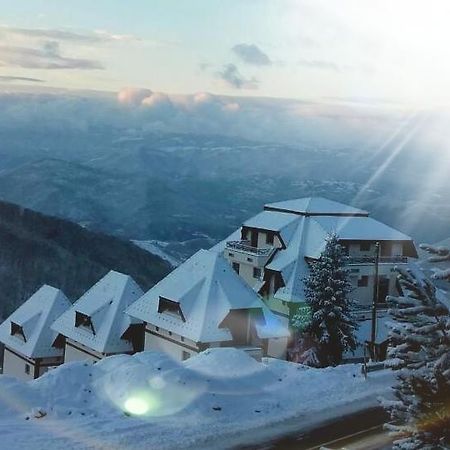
(357, 260)
(245, 247)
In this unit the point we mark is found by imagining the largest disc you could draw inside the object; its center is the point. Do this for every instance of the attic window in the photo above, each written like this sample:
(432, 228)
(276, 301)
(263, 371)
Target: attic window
(17, 330)
(59, 342)
(83, 321)
(170, 307)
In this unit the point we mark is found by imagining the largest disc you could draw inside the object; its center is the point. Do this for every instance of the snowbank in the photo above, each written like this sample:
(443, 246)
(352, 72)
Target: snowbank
(150, 401)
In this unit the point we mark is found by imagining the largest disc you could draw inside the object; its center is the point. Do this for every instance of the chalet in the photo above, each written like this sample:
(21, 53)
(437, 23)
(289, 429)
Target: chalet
(273, 250)
(31, 346)
(203, 303)
(97, 326)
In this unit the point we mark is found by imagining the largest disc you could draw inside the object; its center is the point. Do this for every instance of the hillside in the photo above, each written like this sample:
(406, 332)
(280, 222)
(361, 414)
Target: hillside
(37, 249)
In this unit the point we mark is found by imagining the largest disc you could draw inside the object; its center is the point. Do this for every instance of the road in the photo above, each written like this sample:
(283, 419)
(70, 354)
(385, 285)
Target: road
(361, 431)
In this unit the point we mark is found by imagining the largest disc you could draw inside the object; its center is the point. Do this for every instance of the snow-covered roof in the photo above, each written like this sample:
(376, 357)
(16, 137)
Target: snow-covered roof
(35, 317)
(272, 221)
(315, 206)
(360, 229)
(105, 304)
(206, 289)
(304, 226)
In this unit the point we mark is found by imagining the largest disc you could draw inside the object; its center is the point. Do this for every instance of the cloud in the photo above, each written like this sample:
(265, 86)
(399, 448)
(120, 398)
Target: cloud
(88, 37)
(133, 96)
(204, 66)
(319, 64)
(251, 54)
(14, 79)
(232, 77)
(47, 56)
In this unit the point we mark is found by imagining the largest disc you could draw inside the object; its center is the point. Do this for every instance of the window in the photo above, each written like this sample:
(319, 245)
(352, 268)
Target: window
(363, 281)
(354, 270)
(170, 307)
(230, 254)
(269, 238)
(182, 339)
(249, 259)
(236, 267)
(185, 355)
(364, 246)
(256, 272)
(17, 330)
(27, 369)
(84, 321)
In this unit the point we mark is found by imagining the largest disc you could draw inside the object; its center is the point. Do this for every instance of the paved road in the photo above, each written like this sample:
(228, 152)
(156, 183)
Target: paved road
(361, 431)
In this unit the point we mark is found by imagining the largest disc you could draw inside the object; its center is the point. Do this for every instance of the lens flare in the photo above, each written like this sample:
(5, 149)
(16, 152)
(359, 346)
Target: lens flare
(138, 406)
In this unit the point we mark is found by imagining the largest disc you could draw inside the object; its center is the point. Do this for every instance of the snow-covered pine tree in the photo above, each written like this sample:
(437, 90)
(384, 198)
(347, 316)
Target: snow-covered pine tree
(440, 254)
(327, 291)
(419, 352)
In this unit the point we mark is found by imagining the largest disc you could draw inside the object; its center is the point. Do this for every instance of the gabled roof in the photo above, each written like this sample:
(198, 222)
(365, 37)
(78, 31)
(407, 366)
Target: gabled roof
(206, 289)
(35, 317)
(105, 305)
(315, 206)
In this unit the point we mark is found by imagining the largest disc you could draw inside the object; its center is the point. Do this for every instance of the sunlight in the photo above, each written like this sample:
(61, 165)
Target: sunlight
(139, 406)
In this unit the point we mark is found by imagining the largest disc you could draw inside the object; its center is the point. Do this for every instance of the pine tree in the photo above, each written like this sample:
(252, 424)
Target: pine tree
(419, 352)
(440, 254)
(327, 291)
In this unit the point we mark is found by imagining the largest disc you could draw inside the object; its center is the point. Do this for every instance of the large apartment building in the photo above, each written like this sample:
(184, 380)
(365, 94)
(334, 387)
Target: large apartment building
(273, 250)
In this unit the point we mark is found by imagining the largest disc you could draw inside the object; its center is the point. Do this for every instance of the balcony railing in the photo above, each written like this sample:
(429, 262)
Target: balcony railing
(371, 260)
(244, 246)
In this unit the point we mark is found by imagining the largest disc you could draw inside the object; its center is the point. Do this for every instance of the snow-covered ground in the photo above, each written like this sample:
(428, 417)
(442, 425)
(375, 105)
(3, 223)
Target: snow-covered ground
(218, 398)
(157, 248)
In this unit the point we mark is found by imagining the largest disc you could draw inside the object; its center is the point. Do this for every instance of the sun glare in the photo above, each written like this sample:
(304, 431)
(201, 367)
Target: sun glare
(138, 405)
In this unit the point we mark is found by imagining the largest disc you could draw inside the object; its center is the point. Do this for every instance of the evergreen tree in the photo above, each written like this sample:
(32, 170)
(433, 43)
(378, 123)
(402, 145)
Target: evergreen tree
(419, 352)
(440, 254)
(327, 291)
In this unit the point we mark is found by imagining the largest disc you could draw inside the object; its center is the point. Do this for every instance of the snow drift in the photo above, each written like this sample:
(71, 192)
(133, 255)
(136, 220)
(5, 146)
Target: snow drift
(150, 401)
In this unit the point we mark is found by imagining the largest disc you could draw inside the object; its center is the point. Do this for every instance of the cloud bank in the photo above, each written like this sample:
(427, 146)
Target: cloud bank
(14, 79)
(47, 56)
(251, 54)
(331, 123)
(231, 76)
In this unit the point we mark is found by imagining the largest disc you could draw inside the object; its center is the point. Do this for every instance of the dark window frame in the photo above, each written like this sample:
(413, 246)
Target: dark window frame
(363, 281)
(17, 330)
(167, 306)
(84, 321)
(270, 237)
(257, 272)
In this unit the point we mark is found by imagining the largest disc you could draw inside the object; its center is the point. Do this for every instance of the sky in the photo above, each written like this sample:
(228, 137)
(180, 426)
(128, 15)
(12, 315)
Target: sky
(388, 51)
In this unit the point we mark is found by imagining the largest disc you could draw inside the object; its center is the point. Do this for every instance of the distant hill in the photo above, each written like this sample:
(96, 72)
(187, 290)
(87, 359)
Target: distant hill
(37, 249)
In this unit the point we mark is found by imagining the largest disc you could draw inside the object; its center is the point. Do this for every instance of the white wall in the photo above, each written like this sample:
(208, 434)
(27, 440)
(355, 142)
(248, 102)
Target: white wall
(73, 354)
(173, 349)
(15, 366)
(277, 348)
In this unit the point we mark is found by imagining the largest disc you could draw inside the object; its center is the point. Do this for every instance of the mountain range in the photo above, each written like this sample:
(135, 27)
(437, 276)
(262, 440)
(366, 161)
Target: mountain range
(36, 249)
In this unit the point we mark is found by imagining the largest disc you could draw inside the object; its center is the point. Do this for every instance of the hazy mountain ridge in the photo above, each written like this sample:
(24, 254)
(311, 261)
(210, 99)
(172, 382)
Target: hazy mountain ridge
(38, 249)
(178, 187)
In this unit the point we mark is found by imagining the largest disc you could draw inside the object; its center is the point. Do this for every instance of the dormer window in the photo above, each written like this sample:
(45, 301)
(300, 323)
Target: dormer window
(270, 237)
(167, 306)
(17, 330)
(59, 342)
(84, 321)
